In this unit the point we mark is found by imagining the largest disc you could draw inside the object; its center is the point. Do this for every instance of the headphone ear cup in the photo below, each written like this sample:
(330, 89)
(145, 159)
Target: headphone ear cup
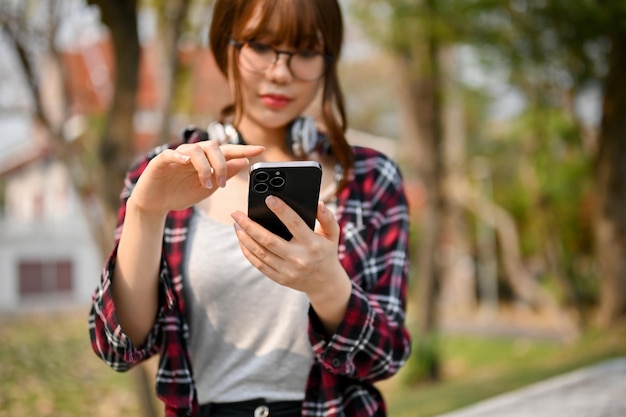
(302, 138)
(192, 134)
(223, 134)
(217, 132)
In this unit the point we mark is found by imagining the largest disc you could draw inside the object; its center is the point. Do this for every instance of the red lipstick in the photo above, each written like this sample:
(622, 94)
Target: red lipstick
(275, 101)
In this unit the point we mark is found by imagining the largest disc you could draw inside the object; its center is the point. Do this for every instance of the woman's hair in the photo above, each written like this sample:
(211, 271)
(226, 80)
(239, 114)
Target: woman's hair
(303, 24)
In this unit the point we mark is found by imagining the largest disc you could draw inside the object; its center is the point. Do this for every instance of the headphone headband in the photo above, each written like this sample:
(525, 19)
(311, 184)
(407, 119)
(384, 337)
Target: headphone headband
(302, 137)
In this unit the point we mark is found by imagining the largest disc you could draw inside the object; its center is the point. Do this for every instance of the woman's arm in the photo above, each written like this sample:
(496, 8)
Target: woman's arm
(126, 304)
(108, 340)
(371, 341)
(135, 287)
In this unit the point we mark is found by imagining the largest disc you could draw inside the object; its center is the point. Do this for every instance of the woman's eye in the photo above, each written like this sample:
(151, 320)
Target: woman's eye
(307, 54)
(260, 47)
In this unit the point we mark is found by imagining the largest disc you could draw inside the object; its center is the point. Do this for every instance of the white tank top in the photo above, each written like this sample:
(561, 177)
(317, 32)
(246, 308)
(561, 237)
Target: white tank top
(248, 334)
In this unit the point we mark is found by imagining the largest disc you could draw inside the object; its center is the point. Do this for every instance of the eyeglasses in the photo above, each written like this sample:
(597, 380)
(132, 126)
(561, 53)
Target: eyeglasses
(304, 65)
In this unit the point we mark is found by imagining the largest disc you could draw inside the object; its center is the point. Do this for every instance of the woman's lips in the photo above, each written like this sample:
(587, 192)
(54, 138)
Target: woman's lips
(275, 101)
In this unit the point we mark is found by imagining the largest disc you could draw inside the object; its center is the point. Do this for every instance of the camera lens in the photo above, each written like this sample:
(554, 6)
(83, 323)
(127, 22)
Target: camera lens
(262, 176)
(261, 187)
(277, 182)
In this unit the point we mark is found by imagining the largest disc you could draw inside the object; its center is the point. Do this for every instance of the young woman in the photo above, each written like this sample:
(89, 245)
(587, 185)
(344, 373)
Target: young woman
(245, 322)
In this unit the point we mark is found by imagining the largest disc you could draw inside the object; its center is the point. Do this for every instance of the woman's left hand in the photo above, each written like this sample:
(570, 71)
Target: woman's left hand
(308, 262)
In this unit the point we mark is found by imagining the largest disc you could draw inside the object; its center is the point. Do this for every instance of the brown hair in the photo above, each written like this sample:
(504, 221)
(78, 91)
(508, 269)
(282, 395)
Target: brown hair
(303, 24)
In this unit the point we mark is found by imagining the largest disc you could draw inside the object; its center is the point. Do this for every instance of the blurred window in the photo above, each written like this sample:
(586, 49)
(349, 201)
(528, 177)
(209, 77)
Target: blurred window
(45, 277)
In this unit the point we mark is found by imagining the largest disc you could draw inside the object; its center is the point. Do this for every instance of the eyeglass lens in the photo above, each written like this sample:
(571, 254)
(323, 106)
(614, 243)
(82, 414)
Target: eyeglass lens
(304, 65)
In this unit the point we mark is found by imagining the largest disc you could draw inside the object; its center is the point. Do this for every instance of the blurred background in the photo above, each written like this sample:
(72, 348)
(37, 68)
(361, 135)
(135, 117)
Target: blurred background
(507, 117)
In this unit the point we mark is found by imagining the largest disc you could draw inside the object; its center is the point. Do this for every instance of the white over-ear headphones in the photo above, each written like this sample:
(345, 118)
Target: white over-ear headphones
(223, 133)
(302, 137)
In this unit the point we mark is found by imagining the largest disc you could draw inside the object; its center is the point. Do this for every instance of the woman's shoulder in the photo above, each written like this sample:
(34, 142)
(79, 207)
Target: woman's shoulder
(369, 161)
(375, 176)
(364, 153)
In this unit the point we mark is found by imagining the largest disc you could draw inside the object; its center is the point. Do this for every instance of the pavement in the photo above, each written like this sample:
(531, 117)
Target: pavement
(595, 391)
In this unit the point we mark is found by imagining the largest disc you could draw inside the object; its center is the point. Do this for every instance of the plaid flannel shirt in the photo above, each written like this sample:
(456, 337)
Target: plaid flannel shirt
(371, 342)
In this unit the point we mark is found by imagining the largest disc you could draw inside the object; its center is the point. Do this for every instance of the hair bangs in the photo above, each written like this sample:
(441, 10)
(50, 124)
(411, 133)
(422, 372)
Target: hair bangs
(291, 22)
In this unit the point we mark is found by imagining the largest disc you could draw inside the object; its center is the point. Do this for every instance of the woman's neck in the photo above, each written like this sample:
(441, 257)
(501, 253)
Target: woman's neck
(273, 140)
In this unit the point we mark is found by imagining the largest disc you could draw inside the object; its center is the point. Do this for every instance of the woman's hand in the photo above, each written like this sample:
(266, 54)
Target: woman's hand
(177, 179)
(307, 263)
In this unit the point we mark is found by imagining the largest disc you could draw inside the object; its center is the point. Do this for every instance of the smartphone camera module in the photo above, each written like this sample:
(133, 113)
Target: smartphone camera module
(265, 181)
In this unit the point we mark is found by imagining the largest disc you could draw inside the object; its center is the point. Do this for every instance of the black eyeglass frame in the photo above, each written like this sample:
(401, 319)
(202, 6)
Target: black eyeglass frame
(328, 59)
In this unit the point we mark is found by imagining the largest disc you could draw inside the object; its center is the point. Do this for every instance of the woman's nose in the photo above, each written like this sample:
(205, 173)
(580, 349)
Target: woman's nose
(279, 71)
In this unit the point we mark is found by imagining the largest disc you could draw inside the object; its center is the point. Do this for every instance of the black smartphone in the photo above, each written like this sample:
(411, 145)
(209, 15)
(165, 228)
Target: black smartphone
(297, 183)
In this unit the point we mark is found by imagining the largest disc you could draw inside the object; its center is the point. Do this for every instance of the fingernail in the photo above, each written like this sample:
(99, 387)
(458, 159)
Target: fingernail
(208, 183)
(237, 227)
(271, 201)
(222, 182)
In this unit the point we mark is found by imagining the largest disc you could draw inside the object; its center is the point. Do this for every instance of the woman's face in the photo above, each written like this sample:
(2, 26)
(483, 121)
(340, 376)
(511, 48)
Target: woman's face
(273, 98)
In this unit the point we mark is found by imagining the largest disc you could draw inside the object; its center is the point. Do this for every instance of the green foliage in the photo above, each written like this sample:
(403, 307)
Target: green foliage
(543, 176)
(541, 169)
(424, 362)
(401, 24)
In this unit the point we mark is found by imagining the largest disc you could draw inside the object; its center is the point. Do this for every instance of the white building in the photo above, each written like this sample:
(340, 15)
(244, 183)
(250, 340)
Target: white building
(47, 256)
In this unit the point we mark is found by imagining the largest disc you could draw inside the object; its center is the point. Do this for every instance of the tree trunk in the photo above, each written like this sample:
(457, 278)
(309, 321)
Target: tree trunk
(457, 293)
(116, 146)
(420, 94)
(610, 220)
(173, 19)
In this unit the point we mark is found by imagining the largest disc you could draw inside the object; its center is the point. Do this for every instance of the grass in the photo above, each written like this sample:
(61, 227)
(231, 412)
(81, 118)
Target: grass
(476, 368)
(47, 368)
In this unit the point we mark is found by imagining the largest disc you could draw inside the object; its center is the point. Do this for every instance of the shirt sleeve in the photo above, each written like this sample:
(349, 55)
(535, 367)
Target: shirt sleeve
(372, 342)
(108, 340)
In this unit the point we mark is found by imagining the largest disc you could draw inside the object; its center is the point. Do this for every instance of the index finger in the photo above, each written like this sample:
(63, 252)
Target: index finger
(241, 151)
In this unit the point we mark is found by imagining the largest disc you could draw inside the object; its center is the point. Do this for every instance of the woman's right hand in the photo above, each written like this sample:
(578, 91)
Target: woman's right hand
(178, 178)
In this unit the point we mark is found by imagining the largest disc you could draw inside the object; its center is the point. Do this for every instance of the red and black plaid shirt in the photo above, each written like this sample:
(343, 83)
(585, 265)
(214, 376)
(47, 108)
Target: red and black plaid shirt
(371, 343)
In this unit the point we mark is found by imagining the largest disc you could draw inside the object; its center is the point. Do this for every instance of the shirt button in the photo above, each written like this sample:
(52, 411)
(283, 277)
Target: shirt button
(336, 363)
(261, 411)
